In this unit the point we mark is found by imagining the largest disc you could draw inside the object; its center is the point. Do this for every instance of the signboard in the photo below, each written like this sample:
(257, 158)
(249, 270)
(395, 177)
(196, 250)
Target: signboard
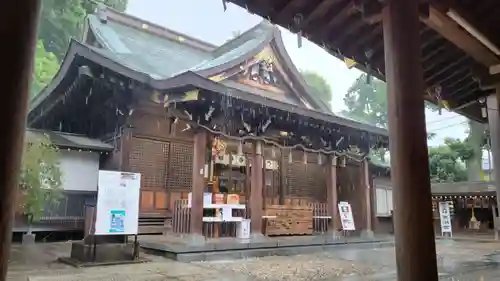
(445, 217)
(346, 217)
(117, 203)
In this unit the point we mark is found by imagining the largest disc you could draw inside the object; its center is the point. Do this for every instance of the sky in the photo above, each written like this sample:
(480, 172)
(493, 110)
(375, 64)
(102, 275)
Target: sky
(207, 21)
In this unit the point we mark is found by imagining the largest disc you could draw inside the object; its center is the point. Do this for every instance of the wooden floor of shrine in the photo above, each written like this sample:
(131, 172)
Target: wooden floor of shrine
(182, 248)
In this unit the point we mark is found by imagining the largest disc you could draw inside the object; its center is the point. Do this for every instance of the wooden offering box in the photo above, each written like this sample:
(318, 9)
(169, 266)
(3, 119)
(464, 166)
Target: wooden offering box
(288, 220)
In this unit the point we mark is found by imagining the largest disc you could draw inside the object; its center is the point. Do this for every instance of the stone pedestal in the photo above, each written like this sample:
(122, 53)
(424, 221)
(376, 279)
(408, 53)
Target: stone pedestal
(28, 239)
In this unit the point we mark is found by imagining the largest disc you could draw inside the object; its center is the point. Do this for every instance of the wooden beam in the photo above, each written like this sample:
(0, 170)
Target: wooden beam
(320, 11)
(18, 21)
(451, 31)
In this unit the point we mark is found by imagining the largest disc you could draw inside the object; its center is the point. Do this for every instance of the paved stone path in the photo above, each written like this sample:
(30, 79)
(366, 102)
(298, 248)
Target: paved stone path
(464, 261)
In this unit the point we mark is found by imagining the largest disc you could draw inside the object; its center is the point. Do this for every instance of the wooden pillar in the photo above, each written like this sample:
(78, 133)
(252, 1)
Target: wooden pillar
(414, 234)
(331, 194)
(493, 105)
(283, 177)
(256, 190)
(18, 21)
(367, 197)
(198, 185)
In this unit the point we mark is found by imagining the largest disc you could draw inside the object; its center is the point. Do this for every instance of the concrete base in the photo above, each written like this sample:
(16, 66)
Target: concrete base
(237, 249)
(335, 235)
(367, 234)
(28, 239)
(257, 237)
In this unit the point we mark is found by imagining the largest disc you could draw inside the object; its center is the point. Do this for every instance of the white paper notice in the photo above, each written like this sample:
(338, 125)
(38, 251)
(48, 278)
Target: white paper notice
(346, 217)
(118, 203)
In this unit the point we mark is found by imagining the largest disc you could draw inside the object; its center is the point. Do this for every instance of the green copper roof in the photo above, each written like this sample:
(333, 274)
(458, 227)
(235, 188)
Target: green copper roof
(162, 58)
(145, 52)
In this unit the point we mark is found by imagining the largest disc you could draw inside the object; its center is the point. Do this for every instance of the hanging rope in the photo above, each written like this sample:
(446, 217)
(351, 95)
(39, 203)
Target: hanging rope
(297, 146)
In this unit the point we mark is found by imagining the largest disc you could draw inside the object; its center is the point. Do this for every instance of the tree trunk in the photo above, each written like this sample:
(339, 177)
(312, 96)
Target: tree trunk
(475, 140)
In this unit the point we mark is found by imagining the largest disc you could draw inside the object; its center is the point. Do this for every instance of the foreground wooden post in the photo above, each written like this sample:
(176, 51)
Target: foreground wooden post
(18, 22)
(332, 196)
(494, 127)
(199, 159)
(256, 190)
(414, 233)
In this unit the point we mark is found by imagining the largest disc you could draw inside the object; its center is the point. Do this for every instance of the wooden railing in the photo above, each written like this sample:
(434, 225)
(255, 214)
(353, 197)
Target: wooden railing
(181, 219)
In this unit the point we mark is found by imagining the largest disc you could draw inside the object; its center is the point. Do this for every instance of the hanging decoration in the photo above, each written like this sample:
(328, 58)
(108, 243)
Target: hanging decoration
(305, 158)
(484, 110)
(345, 154)
(368, 55)
(350, 63)
(218, 147)
(436, 92)
(290, 160)
(86, 150)
(320, 159)
(240, 148)
(297, 19)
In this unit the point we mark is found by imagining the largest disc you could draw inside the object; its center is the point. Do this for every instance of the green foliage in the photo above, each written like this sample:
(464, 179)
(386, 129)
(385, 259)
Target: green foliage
(367, 102)
(40, 178)
(46, 66)
(461, 148)
(444, 165)
(319, 86)
(62, 20)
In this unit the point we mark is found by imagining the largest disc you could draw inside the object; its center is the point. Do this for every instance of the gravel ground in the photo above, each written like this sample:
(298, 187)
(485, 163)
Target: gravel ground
(345, 265)
(301, 267)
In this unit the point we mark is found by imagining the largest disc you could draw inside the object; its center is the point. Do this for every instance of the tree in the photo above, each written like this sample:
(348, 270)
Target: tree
(475, 141)
(319, 86)
(40, 179)
(46, 66)
(445, 161)
(367, 102)
(62, 20)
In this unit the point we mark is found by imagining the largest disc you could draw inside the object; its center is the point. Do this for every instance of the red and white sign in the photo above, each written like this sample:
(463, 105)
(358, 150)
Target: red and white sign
(346, 217)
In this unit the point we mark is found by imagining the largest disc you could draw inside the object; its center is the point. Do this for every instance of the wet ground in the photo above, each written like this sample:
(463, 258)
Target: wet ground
(463, 261)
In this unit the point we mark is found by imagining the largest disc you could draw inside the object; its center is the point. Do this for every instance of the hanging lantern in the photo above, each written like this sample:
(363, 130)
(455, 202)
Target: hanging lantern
(298, 21)
(290, 160)
(305, 158)
(343, 162)
(273, 152)
(240, 148)
(320, 159)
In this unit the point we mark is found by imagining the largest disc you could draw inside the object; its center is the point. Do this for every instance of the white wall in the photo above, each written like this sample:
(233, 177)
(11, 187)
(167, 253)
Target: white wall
(80, 170)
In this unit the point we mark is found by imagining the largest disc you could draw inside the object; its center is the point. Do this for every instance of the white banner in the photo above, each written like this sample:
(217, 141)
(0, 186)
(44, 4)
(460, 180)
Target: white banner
(346, 217)
(118, 203)
(445, 216)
